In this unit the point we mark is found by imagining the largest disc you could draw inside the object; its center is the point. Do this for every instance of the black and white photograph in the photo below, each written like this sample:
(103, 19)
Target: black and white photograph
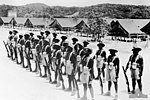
(74, 49)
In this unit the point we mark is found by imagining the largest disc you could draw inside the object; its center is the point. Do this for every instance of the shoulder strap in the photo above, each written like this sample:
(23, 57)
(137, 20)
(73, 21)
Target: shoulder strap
(70, 55)
(114, 58)
(88, 59)
(137, 57)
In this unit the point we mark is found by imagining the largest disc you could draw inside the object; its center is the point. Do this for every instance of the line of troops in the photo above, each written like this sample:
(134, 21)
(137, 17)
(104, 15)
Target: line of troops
(53, 54)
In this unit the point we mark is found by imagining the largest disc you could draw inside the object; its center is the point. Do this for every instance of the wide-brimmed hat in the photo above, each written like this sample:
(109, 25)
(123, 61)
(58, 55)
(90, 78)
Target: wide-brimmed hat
(31, 34)
(26, 35)
(113, 50)
(54, 34)
(46, 42)
(20, 35)
(57, 47)
(15, 31)
(78, 45)
(56, 40)
(136, 49)
(85, 43)
(65, 44)
(47, 32)
(39, 37)
(69, 49)
(10, 32)
(89, 51)
(41, 33)
(63, 37)
(100, 44)
(74, 39)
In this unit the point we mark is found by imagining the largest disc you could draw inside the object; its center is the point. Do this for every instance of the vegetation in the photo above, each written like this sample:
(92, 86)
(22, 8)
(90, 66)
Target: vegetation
(103, 10)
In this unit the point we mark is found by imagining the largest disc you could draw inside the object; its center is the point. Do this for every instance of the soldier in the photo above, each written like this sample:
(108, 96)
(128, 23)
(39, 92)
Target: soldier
(45, 63)
(34, 51)
(63, 62)
(112, 72)
(58, 68)
(100, 57)
(38, 48)
(54, 37)
(75, 61)
(42, 35)
(74, 41)
(82, 54)
(55, 49)
(27, 51)
(87, 71)
(69, 66)
(32, 41)
(19, 48)
(48, 37)
(135, 64)
(14, 45)
(46, 59)
(9, 44)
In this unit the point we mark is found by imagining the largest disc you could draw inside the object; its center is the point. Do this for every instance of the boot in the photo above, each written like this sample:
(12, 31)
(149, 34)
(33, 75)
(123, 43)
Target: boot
(107, 94)
(58, 84)
(102, 90)
(116, 97)
(73, 92)
(68, 89)
(78, 94)
(54, 82)
(63, 86)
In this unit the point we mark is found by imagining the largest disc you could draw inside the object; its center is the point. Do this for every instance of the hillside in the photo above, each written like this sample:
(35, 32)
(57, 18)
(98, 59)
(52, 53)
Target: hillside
(100, 10)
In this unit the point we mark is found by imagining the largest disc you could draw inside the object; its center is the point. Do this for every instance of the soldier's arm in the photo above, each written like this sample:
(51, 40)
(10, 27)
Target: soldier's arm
(117, 63)
(141, 65)
(90, 66)
(104, 55)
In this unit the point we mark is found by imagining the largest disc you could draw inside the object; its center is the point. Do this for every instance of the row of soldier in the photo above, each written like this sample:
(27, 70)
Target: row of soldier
(54, 54)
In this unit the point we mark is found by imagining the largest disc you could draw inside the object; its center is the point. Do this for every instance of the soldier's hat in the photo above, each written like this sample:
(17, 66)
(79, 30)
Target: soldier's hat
(46, 42)
(69, 49)
(10, 32)
(14, 31)
(100, 44)
(36, 41)
(56, 40)
(65, 44)
(47, 32)
(63, 37)
(57, 47)
(74, 39)
(113, 50)
(136, 49)
(39, 37)
(54, 34)
(85, 43)
(26, 36)
(20, 35)
(31, 34)
(78, 45)
(89, 51)
(41, 33)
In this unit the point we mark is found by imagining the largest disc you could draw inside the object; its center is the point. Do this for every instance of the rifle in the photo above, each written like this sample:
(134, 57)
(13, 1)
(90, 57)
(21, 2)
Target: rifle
(6, 48)
(126, 77)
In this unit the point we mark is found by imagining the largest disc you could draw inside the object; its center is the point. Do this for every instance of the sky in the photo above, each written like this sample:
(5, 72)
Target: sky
(80, 3)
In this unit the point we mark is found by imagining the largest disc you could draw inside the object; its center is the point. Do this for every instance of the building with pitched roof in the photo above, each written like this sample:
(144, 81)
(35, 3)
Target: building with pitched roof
(20, 21)
(126, 28)
(6, 21)
(67, 24)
